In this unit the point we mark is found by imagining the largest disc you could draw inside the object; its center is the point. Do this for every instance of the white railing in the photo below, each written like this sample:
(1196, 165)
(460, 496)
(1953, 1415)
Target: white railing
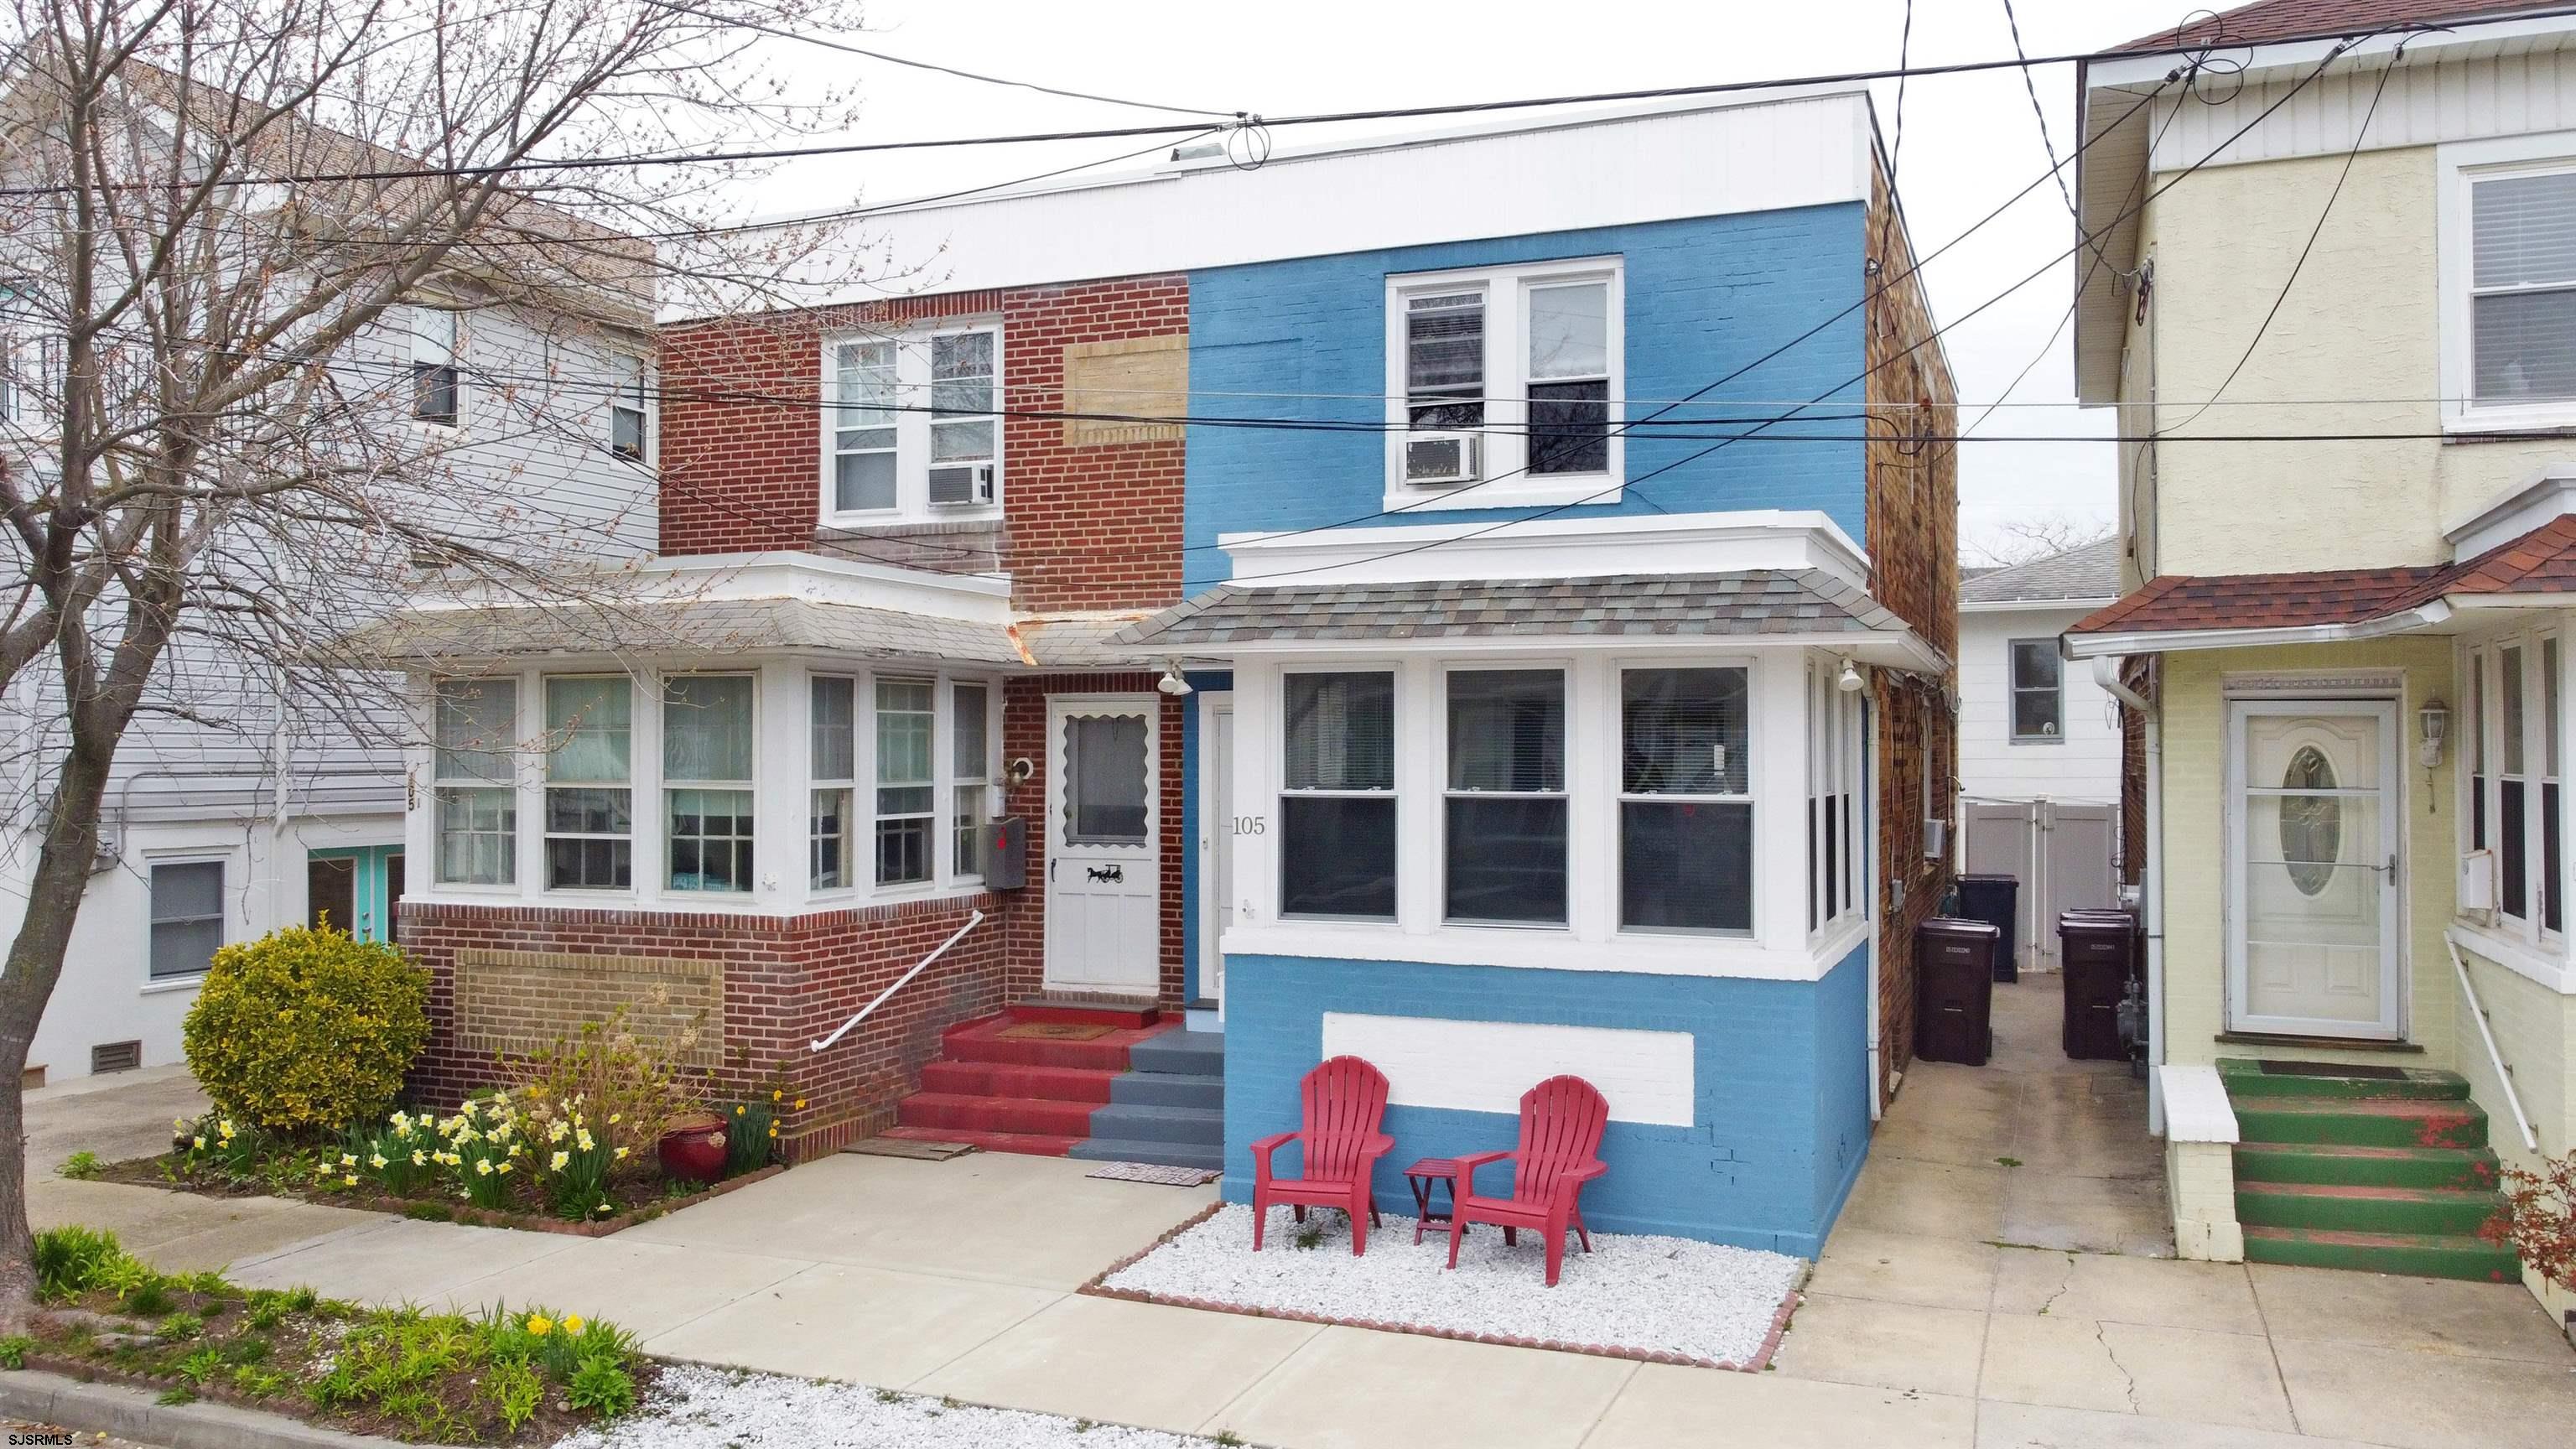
(972, 922)
(2478, 1014)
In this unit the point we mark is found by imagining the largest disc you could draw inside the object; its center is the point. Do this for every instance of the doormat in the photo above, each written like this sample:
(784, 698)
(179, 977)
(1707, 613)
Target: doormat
(907, 1148)
(1056, 1031)
(1156, 1173)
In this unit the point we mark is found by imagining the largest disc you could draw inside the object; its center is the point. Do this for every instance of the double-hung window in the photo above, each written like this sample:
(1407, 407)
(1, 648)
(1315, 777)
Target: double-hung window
(1504, 818)
(1836, 757)
(475, 792)
(2514, 717)
(436, 338)
(833, 755)
(915, 427)
(1337, 808)
(630, 410)
(1685, 800)
(187, 917)
(1503, 384)
(970, 769)
(707, 781)
(2506, 246)
(590, 826)
(2038, 692)
(907, 790)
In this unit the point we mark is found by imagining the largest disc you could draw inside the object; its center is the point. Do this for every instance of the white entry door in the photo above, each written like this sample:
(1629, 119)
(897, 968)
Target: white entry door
(1104, 871)
(2313, 821)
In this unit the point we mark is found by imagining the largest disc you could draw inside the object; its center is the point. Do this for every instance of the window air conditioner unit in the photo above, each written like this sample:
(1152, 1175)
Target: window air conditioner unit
(1443, 460)
(2477, 881)
(961, 485)
(1936, 839)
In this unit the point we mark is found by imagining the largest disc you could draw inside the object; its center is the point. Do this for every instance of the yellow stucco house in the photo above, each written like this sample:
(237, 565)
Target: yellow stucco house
(2328, 278)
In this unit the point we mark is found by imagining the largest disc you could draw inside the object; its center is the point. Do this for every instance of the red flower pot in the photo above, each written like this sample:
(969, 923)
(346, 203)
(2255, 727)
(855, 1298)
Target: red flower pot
(693, 1149)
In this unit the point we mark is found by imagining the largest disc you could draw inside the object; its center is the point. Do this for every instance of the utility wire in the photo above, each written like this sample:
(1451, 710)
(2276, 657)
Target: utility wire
(2030, 83)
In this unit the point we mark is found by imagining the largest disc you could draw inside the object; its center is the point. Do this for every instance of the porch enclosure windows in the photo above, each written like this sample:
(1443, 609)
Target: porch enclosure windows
(1337, 809)
(2038, 692)
(2514, 714)
(707, 778)
(915, 427)
(1504, 818)
(187, 917)
(590, 826)
(907, 791)
(969, 751)
(832, 761)
(1685, 800)
(475, 793)
(1835, 812)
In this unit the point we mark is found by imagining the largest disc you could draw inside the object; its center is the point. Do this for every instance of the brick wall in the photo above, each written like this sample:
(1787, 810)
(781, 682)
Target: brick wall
(785, 983)
(1092, 515)
(1914, 547)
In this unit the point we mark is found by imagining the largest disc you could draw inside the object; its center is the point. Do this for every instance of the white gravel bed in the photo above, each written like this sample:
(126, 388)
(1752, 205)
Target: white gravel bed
(695, 1407)
(1698, 1301)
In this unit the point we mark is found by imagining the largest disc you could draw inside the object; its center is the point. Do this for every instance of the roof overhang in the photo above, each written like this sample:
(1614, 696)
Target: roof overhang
(2425, 618)
(1553, 548)
(2009, 606)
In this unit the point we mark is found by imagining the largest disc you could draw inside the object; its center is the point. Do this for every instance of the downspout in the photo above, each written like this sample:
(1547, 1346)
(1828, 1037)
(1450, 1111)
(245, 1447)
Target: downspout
(2151, 871)
(1876, 869)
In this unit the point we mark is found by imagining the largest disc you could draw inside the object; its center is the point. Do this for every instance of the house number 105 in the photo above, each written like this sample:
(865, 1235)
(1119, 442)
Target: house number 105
(1250, 824)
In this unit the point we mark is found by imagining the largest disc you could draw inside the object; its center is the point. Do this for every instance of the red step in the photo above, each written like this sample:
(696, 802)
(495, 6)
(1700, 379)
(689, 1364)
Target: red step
(1075, 1013)
(1001, 1079)
(981, 1040)
(1030, 1115)
(1024, 1143)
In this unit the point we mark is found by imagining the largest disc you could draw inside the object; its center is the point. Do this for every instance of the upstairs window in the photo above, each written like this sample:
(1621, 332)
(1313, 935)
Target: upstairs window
(915, 427)
(2522, 288)
(2038, 692)
(630, 411)
(1504, 384)
(436, 341)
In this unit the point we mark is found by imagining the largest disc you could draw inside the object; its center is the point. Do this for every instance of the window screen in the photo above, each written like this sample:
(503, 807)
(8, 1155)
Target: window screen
(707, 723)
(2523, 302)
(1337, 812)
(1444, 360)
(1504, 821)
(1569, 378)
(863, 427)
(1685, 822)
(187, 917)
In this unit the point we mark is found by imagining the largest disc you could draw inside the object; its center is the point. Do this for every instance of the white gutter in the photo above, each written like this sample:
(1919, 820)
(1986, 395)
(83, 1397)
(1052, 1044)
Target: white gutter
(2106, 673)
(2155, 641)
(2151, 902)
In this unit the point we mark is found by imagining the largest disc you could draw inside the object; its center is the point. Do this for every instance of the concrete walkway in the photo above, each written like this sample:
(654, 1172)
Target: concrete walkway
(1920, 1329)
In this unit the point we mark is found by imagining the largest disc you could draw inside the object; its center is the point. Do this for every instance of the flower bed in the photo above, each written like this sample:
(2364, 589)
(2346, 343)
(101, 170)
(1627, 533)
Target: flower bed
(521, 1377)
(1664, 1300)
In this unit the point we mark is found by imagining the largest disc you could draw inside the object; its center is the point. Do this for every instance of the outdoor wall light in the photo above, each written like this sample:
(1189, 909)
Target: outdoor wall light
(1849, 681)
(2433, 722)
(1172, 683)
(1019, 771)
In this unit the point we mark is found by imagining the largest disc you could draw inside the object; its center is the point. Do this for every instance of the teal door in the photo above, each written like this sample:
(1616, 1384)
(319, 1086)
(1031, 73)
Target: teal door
(355, 890)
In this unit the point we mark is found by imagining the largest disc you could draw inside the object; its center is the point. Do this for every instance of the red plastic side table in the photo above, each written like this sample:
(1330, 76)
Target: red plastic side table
(1420, 1176)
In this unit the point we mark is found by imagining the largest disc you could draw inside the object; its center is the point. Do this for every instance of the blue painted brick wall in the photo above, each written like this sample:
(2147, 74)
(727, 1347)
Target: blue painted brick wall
(1782, 1118)
(1705, 297)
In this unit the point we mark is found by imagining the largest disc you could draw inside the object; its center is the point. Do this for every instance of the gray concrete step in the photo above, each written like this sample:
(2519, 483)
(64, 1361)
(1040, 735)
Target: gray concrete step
(1125, 1122)
(1169, 1154)
(1180, 1053)
(1165, 1089)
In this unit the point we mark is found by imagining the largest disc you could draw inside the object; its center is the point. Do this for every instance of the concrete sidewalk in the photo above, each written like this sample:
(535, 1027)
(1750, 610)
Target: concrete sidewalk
(956, 1278)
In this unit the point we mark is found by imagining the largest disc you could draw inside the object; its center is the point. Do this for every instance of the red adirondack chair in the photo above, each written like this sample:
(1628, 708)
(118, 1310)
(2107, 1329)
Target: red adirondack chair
(1561, 1123)
(1344, 1098)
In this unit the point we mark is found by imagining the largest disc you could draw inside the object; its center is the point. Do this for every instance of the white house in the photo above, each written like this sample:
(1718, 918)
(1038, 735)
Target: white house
(2039, 740)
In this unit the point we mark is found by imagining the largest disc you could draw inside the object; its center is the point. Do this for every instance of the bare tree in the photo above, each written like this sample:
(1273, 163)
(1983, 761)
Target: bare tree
(209, 471)
(2020, 540)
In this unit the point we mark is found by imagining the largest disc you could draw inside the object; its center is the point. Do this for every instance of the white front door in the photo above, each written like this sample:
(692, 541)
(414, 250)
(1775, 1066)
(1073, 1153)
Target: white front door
(1216, 845)
(1104, 870)
(2312, 885)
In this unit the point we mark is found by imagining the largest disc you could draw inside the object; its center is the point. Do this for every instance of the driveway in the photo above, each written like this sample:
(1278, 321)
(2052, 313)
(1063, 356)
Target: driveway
(1921, 1327)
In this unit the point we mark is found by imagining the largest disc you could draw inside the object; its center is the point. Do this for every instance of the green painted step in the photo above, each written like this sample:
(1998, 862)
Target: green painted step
(2414, 1255)
(2245, 1078)
(2381, 1122)
(2339, 1208)
(2466, 1167)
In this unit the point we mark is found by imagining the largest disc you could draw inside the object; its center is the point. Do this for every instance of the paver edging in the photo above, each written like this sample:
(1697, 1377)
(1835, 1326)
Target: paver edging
(1098, 1287)
(84, 1398)
(474, 1217)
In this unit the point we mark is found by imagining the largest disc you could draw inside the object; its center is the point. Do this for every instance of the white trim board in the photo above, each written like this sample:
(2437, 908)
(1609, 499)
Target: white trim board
(1485, 1066)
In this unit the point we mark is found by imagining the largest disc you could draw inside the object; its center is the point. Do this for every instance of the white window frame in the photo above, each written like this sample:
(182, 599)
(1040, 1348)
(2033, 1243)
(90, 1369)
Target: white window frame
(431, 353)
(1399, 720)
(2482, 725)
(546, 785)
(935, 842)
(1505, 431)
(962, 775)
(2460, 166)
(1621, 797)
(912, 426)
(511, 782)
(671, 785)
(846, 785)
(2014, 689)
(1450, 669)
(152, 922)
(632, 395)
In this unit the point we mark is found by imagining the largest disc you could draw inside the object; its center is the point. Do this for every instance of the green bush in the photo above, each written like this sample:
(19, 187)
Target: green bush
(305, 1030)
(72, 1260)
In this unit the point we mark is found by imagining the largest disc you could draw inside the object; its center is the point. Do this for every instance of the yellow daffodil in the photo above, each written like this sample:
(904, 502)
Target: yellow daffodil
(621, 1154)
(349, 1181)
(584, 1140)
(505, 1169)
(778, 1095)
(572, 1323)
(501, 1096)
(417, 1157)
(348, 1159)
(538, 1326)
(224, 1129)
(738, 1111)
(560, 1159)
(800, 1104)
(201, 1144)
(482, 1167)
(613, 1117)
(376, 1160)
(773, 1131)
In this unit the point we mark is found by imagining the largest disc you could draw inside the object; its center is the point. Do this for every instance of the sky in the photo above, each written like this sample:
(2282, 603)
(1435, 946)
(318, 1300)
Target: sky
(1968, 141)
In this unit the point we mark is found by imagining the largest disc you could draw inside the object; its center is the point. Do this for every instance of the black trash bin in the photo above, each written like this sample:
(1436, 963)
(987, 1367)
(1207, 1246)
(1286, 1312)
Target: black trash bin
(2099, 949)
(1992, 899)
(1954, 977)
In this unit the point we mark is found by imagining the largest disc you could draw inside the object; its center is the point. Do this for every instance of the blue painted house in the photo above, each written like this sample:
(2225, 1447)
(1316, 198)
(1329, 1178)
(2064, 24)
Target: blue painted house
(1483, 602)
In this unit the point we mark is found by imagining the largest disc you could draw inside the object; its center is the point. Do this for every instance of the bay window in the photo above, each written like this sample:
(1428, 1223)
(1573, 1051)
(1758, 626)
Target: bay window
(707, 781)
(1504, 818)
(1685, 800)
(589, 814)
(970, 767)
(832, 711)
(475, 790)
(1337, 808)
(906, 787)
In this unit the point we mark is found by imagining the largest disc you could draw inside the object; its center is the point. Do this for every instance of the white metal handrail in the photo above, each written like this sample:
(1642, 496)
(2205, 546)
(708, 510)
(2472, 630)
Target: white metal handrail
(972, 922)
(2504, 1074)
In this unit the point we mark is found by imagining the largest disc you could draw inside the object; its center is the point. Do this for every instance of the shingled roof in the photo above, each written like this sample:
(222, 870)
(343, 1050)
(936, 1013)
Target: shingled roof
(2542, 561)
(2089, 571)
(2272, 21)
(1747, 602)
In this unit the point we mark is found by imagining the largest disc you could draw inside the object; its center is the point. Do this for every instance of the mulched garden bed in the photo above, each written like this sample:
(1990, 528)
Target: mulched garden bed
(639, 1201)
